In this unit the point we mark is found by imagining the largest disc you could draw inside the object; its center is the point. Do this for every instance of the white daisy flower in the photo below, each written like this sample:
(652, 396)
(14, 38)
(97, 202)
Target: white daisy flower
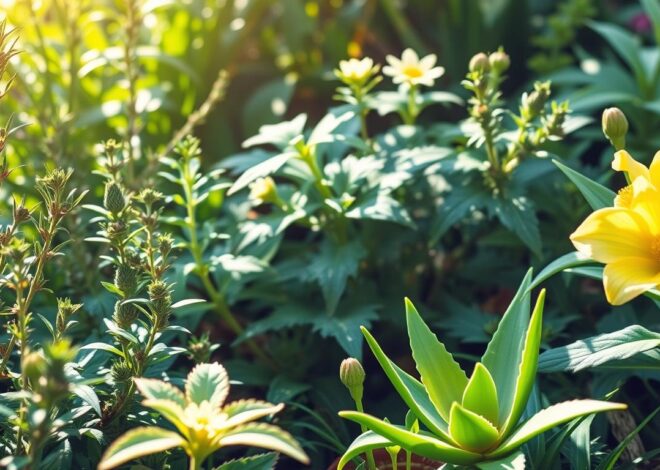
(356, 71)
(412, 70)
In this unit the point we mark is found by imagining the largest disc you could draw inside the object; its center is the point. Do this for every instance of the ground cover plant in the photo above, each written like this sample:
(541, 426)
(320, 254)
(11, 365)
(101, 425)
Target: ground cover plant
(209, 211)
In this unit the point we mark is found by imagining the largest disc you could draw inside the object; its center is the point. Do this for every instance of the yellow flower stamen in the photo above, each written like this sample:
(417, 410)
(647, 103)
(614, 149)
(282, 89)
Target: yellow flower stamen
(413, 72)
(624, 197)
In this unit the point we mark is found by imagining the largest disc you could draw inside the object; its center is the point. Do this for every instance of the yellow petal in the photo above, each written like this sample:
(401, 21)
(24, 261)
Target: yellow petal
(630, 277)
(646, 202)
(654, 169)
(612, 233)
(623, 161)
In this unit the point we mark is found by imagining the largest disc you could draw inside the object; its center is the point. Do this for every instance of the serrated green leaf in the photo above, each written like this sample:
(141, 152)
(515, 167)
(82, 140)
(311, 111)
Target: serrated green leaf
(504, 352)
(254, 462)
(207, 382)
(265, 436)
(527, 366)
(411, 391)
(363, 443)
(480, 395)
(443, 378)
(549, 418)
(137, 443)
(420, 444)
(470, 430)
(518, 215)
(153, 389)
(597, 195)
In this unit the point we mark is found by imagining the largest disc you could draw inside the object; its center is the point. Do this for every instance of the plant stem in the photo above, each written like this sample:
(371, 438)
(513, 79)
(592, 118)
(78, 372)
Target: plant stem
(194, 464)
(408, 460)
(371, 463)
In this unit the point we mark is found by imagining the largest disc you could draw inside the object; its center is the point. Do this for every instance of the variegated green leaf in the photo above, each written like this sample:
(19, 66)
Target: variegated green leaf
(137, 443)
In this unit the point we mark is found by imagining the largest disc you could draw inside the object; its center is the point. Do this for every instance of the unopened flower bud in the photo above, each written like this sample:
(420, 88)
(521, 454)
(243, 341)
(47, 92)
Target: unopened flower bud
(499, 61)
(126, 279)
(34, 366)
(121, 372)
(615, 127)
(113, 199)
(161, 299)
(479, 63)
(352, 376)
(124, 314)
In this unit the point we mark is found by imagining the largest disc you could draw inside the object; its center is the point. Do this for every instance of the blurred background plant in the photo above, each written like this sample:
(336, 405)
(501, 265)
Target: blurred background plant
(315, 193)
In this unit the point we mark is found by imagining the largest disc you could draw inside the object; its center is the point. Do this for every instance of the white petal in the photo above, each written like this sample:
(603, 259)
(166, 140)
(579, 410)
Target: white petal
(409, 57)
(429, 61)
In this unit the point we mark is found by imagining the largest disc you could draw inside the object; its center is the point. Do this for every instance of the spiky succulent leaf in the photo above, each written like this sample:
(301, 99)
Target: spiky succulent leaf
(470, 430)
(549, 418)
(137, 443)
(363, 443)
(528, 365)
(480, 395)
(443, 378)
(411, 391)
(207, 382)
(504, 352)
(421, 444)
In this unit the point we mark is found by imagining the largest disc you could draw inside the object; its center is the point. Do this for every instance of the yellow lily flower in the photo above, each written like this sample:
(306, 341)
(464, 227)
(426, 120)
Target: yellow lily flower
(626, 238)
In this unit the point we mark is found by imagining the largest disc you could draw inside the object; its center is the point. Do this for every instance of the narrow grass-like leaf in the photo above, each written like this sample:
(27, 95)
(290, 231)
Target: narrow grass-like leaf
(420, 444)
(527, 366)
(363, 443)
(137, 443)
(569, 260)
(265, 436)
(597, 195)
(480, 395)
(410, 389)
(470, 430)
(504, 352)
(550, 417)
(443, 378)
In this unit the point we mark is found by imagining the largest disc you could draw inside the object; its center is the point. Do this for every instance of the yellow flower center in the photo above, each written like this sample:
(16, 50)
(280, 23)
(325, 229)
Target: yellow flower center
(624, 196)
(413, 71)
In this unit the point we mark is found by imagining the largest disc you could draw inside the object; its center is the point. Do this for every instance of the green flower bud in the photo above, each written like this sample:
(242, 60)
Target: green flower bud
(126, 279)
(352, 376)
(615, 127)
(160, 297)
(113, 199)
(499, 61)
(479, 63)
(534, 102)
(34, 367)
(121, 372)
(264, 190)
(125, 314)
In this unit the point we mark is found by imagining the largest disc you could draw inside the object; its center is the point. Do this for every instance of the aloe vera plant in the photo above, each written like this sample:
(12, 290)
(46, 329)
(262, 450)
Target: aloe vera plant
(471, 421)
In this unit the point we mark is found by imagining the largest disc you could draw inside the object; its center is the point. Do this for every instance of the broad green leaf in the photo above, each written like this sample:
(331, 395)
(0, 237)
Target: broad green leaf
(480, 395)
(420, 444)
(443, 378)
(411, 391)
(460, 202)
(504, 352)
(207, 382)
(158, 390)
(280, 134)
(243, 411)
(137, 443)
(265, 436)
(599, 350)
(329, 123)
(261, 170)
(470, 430)
(527, 366)
(103, 347)
(597, 195)
(652, 8)
(169, 410)
(625, 44)
(512, 462)
(569, 260)
(518, 215)
(550, 417)
(609, 462)
(254, 462)
(381, 207)
(88, 395)
(363, 443)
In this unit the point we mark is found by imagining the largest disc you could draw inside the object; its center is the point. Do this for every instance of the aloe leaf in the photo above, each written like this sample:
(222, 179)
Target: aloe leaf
(528, 365)
(363, 443)
(480, 395)
(207, 382)
(512, 462)
(420, 444)
(549, 418)
(470, 430)
(504, 352)
(443, 378)
(137, 443)
(265, 436)
(410, 389)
